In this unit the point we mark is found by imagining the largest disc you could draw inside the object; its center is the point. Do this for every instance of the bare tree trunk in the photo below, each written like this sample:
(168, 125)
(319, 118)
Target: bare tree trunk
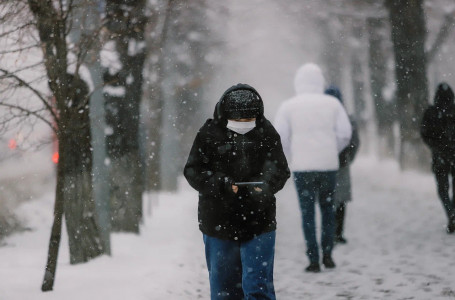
(86, 26)
(56, 233)
(175, 41)
(153, 94)
(408, 36)
(443, 34)
(384, 110)
(182, 85)
(357, 75)
(74, 189)
(332, 50)
(153, 135)
(74, 182)
(76, 160)
(126, 22)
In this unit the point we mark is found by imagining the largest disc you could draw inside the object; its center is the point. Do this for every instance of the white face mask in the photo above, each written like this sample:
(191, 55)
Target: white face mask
(241, 127)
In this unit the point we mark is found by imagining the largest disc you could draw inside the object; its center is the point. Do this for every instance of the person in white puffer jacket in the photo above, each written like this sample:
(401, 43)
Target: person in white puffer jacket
(314, 128)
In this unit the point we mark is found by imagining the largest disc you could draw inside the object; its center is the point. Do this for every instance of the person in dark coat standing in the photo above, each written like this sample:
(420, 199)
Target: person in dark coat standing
(438, 132)
(343, 193)
(237, 164)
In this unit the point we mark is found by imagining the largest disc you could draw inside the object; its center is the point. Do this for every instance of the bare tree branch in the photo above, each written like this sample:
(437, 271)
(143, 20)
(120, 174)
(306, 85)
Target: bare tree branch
(26, 68)
(36, 92)
(16, 29)
(85, 45)
(28, 113)
(442, 36)
(19, 49)
(66, 15)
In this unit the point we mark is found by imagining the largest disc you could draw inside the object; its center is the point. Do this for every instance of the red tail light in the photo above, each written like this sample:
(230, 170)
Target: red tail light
(12, 144)
(55, 157)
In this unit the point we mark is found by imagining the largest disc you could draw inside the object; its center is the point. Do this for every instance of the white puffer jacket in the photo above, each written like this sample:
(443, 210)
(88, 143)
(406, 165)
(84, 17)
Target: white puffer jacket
(314, 127)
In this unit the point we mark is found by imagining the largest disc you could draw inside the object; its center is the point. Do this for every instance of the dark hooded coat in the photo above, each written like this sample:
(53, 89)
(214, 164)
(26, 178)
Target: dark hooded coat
(438, 125)
(343, 191)
(219, 158)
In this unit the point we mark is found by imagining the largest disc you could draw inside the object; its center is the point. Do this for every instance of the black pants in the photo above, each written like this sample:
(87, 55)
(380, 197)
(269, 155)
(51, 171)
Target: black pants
(312, 185)
(445, 170)
(340, 212)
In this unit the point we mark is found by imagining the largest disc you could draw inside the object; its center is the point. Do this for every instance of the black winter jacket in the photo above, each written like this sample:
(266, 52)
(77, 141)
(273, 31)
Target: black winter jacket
(438, 125)
(219, 158)
(348, 154)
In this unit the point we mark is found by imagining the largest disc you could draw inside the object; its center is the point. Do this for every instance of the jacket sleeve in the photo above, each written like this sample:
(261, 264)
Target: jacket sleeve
(199, 172)
(343, 129)
(275, 171)
(284, 130)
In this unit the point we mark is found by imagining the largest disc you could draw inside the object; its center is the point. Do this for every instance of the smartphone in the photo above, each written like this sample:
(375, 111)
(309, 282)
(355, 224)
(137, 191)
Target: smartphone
(248, 183)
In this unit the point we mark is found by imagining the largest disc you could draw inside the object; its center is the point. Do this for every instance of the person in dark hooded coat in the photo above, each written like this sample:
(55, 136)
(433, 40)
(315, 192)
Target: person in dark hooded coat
(343, 193)
(237, 164)
(438, 132)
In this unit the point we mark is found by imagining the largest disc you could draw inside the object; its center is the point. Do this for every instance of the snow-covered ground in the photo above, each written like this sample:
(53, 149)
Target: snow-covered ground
(397, 248)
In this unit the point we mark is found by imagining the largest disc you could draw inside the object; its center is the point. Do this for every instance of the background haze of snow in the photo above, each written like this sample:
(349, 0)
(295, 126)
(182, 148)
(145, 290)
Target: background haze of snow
(397, 249)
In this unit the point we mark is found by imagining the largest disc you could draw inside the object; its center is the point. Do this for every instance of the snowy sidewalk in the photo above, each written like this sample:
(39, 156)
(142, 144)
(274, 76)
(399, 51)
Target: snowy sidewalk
(397, 246)
(397, 249)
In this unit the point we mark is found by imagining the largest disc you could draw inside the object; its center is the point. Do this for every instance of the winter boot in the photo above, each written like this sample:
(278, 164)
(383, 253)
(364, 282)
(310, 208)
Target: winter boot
(339, 239)
(451, 227)
(327, 261)
(339, 224)
(313, 267)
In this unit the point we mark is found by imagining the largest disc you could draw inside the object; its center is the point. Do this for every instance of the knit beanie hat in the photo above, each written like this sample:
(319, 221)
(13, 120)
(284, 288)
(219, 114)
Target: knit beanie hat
(242, 104)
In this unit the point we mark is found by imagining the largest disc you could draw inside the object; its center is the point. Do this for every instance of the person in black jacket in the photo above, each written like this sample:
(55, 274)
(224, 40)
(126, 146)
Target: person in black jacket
(237, 164)
(438, 132)
(343, 193)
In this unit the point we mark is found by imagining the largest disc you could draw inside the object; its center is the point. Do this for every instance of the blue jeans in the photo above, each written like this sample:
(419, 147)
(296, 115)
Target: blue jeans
(241, 270)
(310, 185)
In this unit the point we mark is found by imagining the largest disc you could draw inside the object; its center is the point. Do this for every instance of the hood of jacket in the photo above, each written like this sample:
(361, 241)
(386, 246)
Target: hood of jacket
(444, 97)
(309, 79)
(219, 114)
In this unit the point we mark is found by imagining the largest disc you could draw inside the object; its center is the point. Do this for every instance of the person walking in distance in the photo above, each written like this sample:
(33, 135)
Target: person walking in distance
(438, 132)
(343, 193)
(237, 164)
(314, 128)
